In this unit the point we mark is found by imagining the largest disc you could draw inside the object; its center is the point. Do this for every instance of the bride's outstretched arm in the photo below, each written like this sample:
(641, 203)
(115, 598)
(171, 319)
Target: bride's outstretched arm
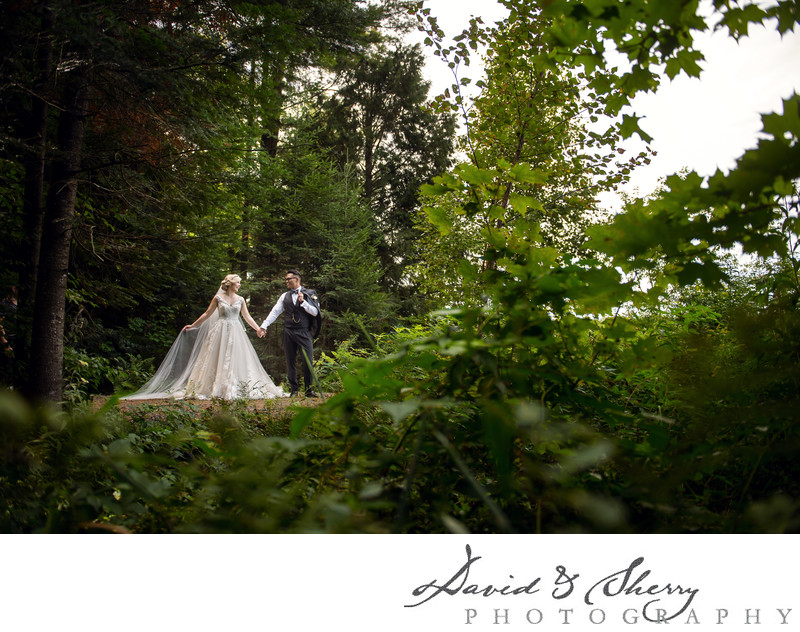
(204, 316)
(247, 317)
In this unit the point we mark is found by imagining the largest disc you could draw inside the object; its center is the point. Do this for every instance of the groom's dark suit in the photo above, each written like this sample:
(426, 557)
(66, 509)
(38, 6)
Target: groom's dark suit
(300, 325)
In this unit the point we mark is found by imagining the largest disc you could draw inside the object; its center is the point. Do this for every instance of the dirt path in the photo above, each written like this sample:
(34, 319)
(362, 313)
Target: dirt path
(278, 404)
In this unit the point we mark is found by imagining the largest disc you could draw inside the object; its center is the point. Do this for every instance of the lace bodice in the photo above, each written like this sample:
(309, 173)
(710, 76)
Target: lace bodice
(227, 311)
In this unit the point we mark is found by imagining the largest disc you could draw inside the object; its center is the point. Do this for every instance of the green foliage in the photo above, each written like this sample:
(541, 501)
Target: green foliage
(45, 483)
(528, 398)
(727, 403)
(684, 423)
(535, 165)
(86, 375)
(619, 377)
(171, 469)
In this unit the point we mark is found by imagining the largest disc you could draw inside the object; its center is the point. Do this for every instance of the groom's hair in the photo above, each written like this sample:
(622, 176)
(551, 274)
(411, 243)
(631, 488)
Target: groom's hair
(294, 272)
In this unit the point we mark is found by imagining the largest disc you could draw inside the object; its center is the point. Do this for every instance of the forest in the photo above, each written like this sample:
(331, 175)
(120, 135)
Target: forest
(500, 352)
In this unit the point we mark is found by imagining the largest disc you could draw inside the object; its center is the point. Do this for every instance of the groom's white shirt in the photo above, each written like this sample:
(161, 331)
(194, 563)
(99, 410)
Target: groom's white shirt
(278, 309)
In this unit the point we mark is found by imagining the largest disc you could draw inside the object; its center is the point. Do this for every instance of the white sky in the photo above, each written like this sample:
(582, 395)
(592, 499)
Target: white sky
(702, 124)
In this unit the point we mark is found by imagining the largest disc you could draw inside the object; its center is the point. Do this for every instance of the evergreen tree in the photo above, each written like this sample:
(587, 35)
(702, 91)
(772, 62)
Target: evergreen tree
(315, 220)
(379, 119)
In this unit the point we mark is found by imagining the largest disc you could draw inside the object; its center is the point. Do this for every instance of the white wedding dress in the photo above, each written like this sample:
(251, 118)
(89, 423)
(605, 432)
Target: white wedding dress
(214, 360)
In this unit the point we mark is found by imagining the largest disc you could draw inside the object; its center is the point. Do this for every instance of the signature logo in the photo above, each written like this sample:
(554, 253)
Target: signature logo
(660, 600)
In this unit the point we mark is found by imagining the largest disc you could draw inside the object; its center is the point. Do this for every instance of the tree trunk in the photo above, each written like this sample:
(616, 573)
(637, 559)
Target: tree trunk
(369, 167)
(47, 345)
(33, 196)
(371, 136)
(273, 85)
(244, 253)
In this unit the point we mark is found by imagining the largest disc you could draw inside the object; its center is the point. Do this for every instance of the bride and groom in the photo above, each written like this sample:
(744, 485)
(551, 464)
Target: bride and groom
(213, 357)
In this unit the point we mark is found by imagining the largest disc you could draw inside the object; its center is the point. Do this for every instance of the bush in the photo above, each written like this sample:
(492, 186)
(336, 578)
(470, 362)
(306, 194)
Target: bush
(86, 375)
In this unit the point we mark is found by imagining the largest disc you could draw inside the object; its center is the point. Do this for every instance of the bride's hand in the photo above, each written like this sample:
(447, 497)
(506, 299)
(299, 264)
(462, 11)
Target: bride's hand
(188, 328)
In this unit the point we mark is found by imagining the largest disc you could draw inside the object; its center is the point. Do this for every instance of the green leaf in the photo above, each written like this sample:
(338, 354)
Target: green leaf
(474, 175)
(708, 272)
(371, 490)
(787, 13)
(658, 437)
(523, 172)
(787, 125)
(521, 203)
(738, 20)
(440, 219)
(499, 434)
(639, 79)
(301, 419)
(496, 212)
(400, 410)
(630, 126)
(442, 185)
(119, 448)
(687, 62)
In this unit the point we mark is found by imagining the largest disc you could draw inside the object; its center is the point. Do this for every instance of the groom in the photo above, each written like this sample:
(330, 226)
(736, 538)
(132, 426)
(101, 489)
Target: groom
(302, 314)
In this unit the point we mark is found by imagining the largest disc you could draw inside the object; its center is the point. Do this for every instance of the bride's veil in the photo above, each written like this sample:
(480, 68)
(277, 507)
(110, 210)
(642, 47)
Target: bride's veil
(172, 375)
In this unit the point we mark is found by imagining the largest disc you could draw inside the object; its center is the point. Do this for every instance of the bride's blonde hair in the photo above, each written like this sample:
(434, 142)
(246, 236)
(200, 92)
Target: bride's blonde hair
(229, 280)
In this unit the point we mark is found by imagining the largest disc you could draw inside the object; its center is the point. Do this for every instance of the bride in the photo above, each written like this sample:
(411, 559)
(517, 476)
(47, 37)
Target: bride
(213, 357)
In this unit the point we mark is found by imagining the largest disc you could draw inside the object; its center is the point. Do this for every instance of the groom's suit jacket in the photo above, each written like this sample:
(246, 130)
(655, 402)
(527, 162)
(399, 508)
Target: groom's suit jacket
(295, 317)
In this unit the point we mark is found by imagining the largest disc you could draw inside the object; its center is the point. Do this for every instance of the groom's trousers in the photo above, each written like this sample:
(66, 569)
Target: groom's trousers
(295, 342)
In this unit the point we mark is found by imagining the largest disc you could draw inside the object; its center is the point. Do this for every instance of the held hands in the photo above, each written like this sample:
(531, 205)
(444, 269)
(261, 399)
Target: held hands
(262, 332)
